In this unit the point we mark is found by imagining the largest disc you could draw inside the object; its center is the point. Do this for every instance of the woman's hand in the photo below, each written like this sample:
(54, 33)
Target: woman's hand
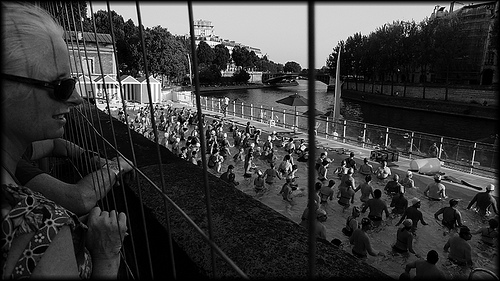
(105, 234)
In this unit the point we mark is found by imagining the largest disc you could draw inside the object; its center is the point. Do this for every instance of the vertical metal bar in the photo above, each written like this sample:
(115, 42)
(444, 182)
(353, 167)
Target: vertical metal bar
(440, 147)
(312, 139)
(411, 143)
(202, 136)
(153, 124)
(386, 136)
(251, 112)
(344, 128)
(473, 156)
(364, 135)
(327, 124)
(242, 110)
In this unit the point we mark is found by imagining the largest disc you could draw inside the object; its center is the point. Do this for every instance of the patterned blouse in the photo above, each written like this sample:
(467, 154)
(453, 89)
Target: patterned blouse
(32, 212)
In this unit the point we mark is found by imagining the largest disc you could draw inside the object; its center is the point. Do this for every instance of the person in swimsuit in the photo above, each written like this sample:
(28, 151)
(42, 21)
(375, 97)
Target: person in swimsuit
(489, 234)
(377, 207)
(361, 242)
(404, 238)
(451, 215)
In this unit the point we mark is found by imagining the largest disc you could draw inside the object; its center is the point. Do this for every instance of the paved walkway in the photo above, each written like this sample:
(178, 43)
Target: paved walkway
(402, 165)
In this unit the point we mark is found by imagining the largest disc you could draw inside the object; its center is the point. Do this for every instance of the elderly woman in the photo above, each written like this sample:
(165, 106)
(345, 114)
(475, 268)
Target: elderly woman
(37, 93)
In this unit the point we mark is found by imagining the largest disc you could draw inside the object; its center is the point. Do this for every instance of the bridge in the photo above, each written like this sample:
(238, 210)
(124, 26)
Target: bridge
(274, 78)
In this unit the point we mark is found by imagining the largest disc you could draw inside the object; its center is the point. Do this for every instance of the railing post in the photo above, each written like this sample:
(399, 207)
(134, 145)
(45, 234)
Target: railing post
(344, 127)
(284, 119)
(473, 156)
(272, 113)
(212, 104)
(411, 143)
(251, 112)
(326, 129)
(440, 147)
(242, 110)
(364, 136)
(261, 114)
(386, 136)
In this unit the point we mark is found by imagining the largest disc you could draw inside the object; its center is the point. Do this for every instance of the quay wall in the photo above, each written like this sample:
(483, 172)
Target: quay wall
(261, 241)
(464, 94)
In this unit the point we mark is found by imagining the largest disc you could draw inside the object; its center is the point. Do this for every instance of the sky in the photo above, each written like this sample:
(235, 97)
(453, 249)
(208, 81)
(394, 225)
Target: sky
(278, 29)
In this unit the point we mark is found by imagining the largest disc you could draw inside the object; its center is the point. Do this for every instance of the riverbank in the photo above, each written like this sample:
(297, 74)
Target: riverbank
(432, 105)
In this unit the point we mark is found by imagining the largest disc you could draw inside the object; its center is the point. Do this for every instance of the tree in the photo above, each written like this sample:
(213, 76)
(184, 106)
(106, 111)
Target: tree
(209, 74)
(241, 76)
(221, 56)
(205, 54)
(292, 66)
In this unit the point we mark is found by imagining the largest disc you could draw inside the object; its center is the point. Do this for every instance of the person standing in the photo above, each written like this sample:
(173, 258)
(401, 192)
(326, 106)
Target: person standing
(366, 189)
(319, 161)
(258, 182)
(323, 170)
(366, 168)
(271, 174)
(286, 190)
(393, 188)
(249, 166)
(400, 203)
(361, 242)
(484, 201)
(345, 195)
(404, 238)
(426, 269)
(433, 150)
(489, 234)
(408, 181)
(351, 223)
(383, 171)
(413, 213)
(460, 251)
(377, 207)
(350, 162)
(451, 215)
(326, 192)
(229, 176)
(436, 191)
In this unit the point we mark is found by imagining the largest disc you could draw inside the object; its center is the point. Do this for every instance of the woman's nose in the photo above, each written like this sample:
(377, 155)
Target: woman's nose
(75, 99)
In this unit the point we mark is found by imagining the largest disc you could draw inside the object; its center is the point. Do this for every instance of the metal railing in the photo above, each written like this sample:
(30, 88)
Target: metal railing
(464, 155)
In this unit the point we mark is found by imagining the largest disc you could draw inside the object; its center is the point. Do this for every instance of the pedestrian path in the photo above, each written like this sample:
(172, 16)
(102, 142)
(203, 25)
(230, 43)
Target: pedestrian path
(402, 165)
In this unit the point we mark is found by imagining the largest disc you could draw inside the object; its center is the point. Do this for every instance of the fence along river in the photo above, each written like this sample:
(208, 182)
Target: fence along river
(463, 141)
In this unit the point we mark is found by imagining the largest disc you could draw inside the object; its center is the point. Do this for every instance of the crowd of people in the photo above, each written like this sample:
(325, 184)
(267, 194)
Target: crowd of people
(246, 145)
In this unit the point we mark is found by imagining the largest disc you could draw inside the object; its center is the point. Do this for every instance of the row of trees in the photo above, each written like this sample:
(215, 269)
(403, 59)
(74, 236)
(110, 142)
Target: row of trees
(167, 55)
(395, 51)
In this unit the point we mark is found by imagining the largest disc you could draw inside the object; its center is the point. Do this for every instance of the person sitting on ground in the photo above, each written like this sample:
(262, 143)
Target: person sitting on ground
(451, 215)
(366, 189)
(258, 182)
(484, 201)
(44, 237)
(229, 176)
(436, 191)
(460, 250)
(393, 188)
(377, 207)
(350, 162)
(326, 192)
(426, 269)
(413, 213)
(489, 235)
(345, 195)
(400, 203)
(362, 246)
(383, 171)
(408, 181)
(366, 168)
(351, 223)
(404, 238)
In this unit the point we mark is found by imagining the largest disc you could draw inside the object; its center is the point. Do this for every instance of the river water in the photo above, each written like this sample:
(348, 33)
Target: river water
(426, 122)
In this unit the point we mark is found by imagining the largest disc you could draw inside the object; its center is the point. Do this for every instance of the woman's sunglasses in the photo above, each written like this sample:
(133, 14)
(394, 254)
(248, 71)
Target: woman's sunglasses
(63, 89)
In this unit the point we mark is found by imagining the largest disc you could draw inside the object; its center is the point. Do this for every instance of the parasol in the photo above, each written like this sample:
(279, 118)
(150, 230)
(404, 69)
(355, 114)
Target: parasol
(294, 100)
